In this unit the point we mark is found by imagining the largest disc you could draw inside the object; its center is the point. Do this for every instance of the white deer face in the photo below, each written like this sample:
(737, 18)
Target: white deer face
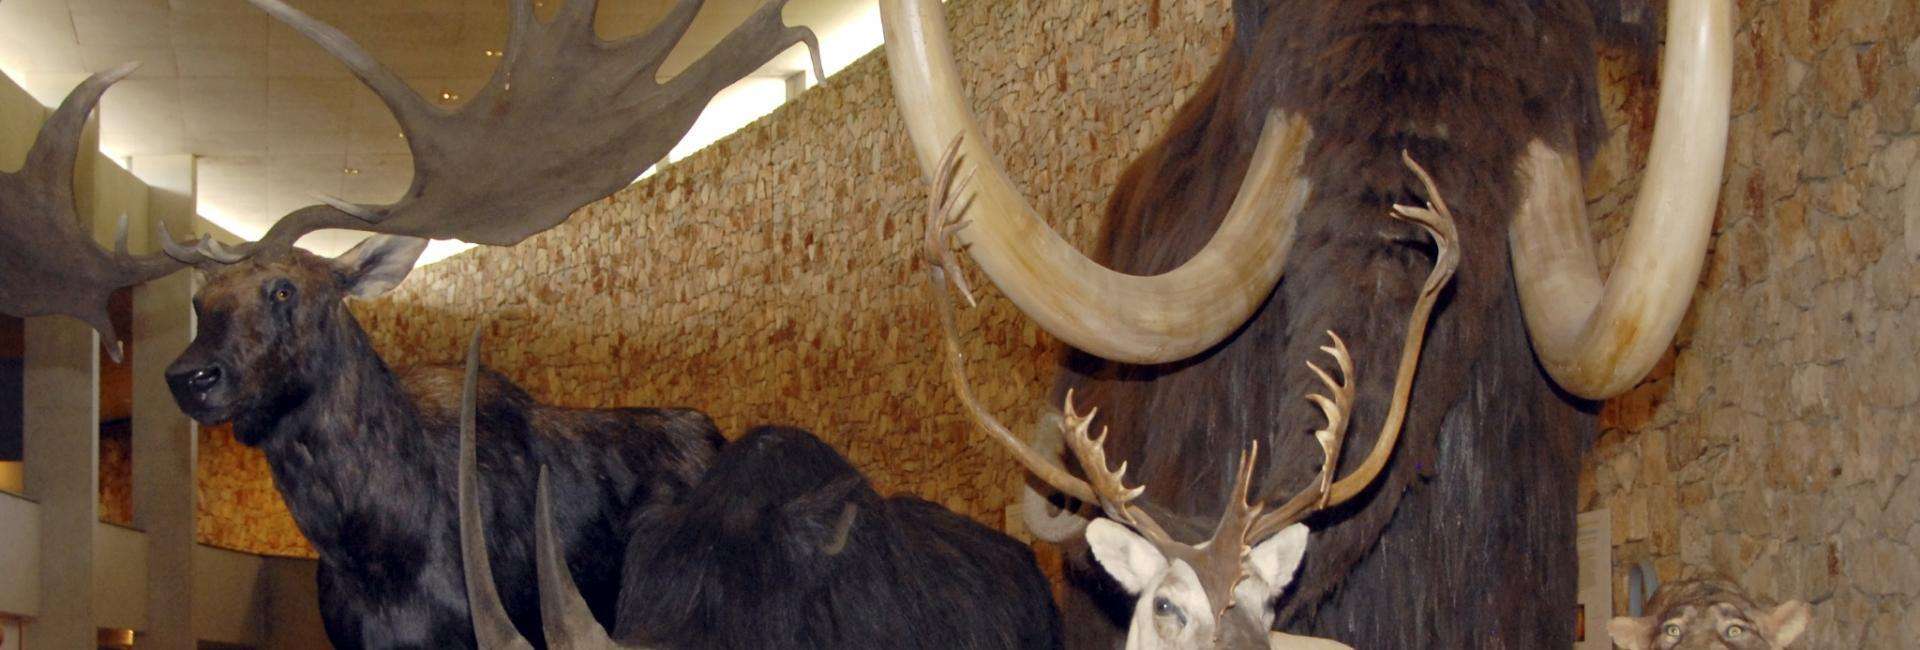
(1173, 612)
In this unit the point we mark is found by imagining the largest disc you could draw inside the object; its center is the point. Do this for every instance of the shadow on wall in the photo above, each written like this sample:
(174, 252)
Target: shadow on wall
(12, 344)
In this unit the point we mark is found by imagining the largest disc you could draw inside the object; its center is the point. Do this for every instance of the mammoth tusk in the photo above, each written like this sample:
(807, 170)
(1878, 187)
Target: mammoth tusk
(1600, 337)
(491, 627)
(1127, 318)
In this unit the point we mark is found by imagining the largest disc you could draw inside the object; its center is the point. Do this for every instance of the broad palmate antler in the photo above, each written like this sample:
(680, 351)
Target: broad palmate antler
(49, 263)
(566, 120)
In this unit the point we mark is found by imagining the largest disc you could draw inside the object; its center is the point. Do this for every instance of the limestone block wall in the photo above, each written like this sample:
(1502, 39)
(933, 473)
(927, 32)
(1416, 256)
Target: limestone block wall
(1779, 444)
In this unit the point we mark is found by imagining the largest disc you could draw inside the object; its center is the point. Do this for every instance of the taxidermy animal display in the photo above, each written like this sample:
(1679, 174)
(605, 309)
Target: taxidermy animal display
(364, 456)
(566, 119)
(1218, 593)
(1278, 167)
(784, 544)
(1709, 614)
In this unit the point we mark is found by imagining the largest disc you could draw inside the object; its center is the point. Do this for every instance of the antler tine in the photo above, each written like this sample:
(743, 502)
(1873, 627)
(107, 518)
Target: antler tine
(203, 251)
(407, 105)
(745, 48)
(1109, 483)
(1218, 562)
(1438, 221)
(57, 148)
(941, 267)
(1338, 411)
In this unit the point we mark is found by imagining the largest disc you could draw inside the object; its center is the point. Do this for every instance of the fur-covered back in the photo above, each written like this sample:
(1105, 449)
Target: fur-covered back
(783, 544)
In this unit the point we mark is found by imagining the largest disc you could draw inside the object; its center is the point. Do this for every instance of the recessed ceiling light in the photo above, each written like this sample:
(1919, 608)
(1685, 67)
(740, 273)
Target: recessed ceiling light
(492, 53)
(449, 96)
(350, 171)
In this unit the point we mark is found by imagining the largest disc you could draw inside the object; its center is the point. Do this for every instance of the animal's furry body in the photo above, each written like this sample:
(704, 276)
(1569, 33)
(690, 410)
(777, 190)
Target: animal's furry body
(784, 544)
(1476, 512)
(365, 458)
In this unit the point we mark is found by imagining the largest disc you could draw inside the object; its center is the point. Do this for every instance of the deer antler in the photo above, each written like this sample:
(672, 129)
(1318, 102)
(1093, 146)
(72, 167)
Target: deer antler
(51, 264)
(567, 119)
(1218, 560)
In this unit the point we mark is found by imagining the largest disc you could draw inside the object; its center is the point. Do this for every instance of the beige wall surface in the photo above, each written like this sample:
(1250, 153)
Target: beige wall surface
(770, 279)
(1780, 444)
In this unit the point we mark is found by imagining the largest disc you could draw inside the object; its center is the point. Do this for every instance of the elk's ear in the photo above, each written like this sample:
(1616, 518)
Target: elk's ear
(1274, 561)
(378, 264)
(1128, 557)
(1786, 622)
(1631, 633)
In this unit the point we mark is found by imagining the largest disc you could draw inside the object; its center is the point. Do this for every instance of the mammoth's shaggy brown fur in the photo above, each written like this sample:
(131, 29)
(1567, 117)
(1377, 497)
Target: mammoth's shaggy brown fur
(1476, 513)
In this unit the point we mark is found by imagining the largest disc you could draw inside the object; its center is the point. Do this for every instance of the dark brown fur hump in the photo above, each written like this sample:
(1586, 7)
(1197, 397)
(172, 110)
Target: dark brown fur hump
(1477, 507)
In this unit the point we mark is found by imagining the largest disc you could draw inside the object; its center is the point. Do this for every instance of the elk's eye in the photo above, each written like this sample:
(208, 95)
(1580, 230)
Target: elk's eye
(1672, 630)
(1736, 631)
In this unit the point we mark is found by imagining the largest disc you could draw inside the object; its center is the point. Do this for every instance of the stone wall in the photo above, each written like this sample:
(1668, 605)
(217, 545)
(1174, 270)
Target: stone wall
(1779, 444)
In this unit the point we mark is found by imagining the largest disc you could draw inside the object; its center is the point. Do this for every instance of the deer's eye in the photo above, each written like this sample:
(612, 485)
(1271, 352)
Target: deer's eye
(1672, 630)
(1736, 631)
(1166, 609)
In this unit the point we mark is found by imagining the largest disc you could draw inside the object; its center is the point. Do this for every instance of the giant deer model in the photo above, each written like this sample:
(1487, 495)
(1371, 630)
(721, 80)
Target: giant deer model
(1189, 339)
(1217, 593)
(365, 456)
(566, 119)
(781, 544)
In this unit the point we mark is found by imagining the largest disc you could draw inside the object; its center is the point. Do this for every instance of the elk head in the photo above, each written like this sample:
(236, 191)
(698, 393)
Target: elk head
(1596, 336)
(1706, 614)
(1217, 593)
(566, 119)
(273, 325)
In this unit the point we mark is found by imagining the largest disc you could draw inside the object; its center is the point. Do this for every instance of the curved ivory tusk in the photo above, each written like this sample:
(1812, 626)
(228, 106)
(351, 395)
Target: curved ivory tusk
(1599, 338)
(1127, 318)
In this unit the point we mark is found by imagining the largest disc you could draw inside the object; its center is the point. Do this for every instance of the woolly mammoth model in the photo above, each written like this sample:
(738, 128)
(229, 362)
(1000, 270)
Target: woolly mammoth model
(364, 456)
(1253, 227)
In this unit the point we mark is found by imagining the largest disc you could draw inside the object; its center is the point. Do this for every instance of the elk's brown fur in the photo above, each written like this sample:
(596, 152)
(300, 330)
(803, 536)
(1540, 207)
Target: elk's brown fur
(365, 457)
(1476, 510)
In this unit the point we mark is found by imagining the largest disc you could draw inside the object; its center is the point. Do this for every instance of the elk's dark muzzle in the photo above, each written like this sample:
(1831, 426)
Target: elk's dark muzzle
(201, 389)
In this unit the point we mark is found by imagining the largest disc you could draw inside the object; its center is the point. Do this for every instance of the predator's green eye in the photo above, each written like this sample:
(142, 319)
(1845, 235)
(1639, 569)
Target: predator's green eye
(1672, 630)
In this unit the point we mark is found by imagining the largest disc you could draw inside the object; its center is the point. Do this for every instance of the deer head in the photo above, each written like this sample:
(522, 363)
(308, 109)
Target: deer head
(1217, 593)
(1596, 335)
